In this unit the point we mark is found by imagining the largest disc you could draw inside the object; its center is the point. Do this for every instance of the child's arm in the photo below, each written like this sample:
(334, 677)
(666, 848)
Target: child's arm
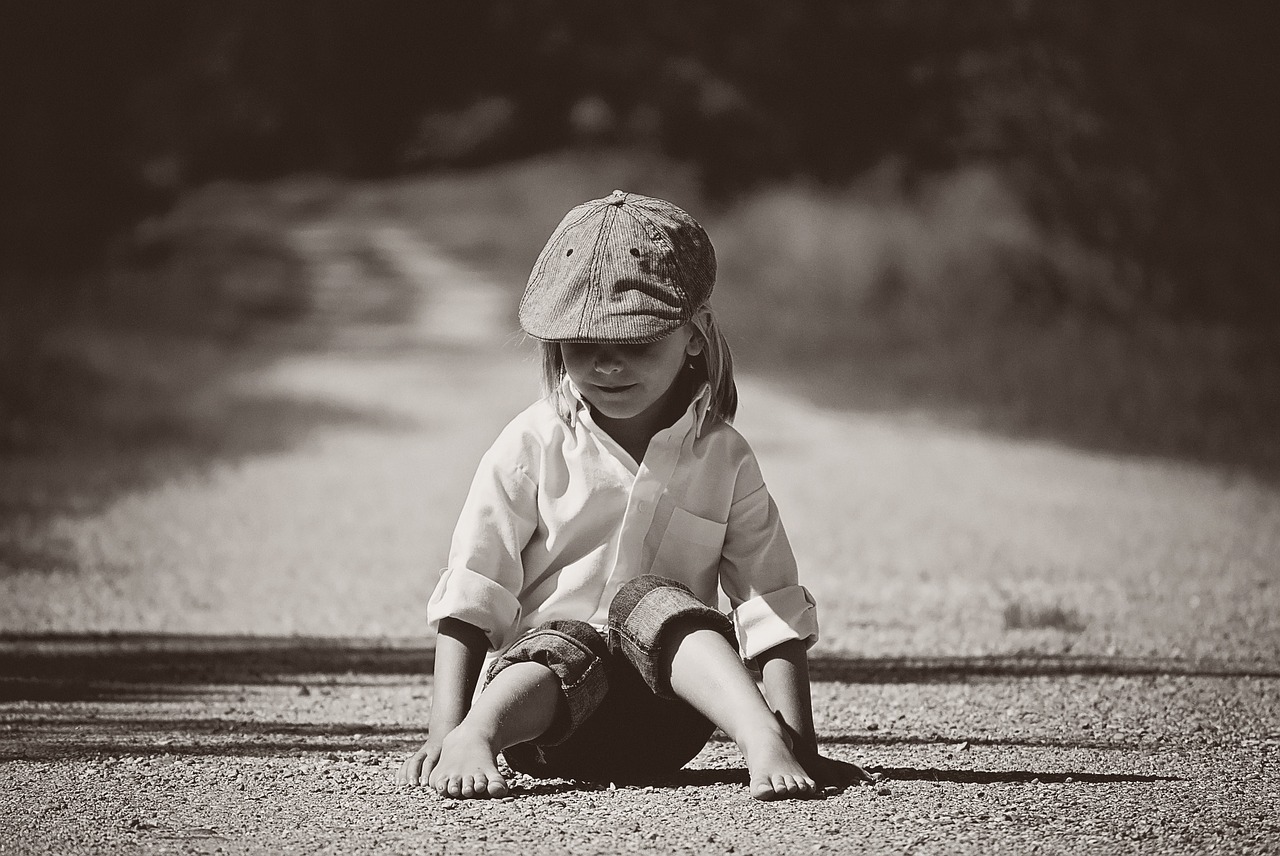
(785, 669)
(460, 650)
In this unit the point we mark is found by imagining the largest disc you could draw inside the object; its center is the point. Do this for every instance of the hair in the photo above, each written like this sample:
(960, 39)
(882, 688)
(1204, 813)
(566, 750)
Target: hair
(713, 366)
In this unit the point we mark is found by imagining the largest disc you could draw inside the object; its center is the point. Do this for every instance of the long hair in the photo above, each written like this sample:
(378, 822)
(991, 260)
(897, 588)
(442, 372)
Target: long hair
(713, 366)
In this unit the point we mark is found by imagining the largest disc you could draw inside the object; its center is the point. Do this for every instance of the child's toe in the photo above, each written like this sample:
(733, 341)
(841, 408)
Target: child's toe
(765, 788)
(790, 786)
(783, 786)
(497, 787)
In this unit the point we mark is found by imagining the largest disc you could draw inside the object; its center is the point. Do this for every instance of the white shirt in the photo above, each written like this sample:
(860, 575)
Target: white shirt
(559, 516)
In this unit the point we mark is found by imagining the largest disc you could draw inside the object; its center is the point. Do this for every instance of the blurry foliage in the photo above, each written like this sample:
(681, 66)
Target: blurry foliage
(1140, 129)
(908, 133)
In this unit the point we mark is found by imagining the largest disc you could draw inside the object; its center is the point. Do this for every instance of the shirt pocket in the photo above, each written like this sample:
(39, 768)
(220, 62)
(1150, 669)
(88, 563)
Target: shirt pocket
(690, 550)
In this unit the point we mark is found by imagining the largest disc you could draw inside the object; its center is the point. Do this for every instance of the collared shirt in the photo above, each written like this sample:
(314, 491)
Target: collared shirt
(559, 516)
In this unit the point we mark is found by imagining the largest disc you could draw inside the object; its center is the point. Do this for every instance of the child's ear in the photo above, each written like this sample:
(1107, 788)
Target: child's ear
(697, 338)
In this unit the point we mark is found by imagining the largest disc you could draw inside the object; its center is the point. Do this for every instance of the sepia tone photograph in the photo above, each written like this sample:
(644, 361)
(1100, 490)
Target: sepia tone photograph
(704, 427)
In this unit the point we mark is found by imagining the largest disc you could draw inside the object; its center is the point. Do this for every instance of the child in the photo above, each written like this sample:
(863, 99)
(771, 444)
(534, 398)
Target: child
(597, 531)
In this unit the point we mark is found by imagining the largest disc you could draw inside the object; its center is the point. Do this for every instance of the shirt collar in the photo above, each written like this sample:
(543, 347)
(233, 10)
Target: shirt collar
(699, 407)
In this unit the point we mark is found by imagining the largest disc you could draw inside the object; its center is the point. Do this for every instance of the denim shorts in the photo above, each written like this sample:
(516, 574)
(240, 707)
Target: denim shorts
(622, 721)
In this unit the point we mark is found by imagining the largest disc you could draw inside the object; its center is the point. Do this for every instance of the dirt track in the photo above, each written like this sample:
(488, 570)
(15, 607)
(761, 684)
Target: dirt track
(1044, 649)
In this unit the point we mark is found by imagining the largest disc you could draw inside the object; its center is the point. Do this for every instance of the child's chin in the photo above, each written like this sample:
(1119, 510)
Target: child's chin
(616, 412)
(619, 409)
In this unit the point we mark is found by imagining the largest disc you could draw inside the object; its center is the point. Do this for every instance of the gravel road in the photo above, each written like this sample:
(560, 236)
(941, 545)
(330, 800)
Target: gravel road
(1044, 649)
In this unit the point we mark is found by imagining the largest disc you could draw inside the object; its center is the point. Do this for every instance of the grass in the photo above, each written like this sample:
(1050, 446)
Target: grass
(1021, 616)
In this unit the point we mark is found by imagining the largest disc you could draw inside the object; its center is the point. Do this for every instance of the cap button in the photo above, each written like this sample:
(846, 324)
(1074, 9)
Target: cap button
(617, 197)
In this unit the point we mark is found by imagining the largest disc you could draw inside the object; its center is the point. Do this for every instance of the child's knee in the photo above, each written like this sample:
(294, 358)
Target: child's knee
(646, 596)
(651, 614)
(575, 653)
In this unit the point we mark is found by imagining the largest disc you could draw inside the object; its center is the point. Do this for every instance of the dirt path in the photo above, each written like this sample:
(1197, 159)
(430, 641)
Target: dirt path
(1044, 649)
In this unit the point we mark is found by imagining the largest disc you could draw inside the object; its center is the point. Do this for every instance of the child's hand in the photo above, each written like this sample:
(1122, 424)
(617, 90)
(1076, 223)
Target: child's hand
(417, 767)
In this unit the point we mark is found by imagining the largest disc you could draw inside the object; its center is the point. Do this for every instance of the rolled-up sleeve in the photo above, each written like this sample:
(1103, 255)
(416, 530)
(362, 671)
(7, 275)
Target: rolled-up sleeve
(485, 575)
(474, 598)
(758, 572)
(776, 617)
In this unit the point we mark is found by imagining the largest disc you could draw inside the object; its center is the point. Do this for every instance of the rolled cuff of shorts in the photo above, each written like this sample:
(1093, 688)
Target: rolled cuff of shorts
(575, 652)
(774, 618)
(642, 613)
(474, 598)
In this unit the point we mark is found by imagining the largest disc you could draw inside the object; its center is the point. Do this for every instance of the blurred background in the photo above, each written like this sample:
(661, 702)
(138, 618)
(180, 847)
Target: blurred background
(999, 277)
(1052, 219)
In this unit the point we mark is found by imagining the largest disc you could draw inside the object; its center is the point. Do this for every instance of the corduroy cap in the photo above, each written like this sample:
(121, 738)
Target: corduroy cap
(625, 268)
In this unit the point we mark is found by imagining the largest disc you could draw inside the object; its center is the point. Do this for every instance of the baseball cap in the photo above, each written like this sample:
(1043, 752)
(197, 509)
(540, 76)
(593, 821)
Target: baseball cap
(625, 268)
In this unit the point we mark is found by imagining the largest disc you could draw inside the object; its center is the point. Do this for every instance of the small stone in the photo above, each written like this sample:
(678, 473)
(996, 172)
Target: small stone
(873, 726)
(303, 690)
(883, 792)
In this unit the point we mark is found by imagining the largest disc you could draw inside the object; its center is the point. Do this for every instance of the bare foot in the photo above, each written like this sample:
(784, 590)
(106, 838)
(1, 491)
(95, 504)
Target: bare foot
(468, 767)
(774, 772)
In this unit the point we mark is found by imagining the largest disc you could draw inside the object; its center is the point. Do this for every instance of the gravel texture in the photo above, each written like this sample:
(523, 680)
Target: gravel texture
(217, 647)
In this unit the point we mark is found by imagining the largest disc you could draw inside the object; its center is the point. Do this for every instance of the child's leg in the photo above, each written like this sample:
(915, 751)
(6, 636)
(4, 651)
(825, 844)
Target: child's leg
(543, 686)
(681, 647)
(519, 704)
(706, 671)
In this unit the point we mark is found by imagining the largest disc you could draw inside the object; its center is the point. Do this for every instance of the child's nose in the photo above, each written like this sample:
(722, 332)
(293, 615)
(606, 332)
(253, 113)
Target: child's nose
(608, 361)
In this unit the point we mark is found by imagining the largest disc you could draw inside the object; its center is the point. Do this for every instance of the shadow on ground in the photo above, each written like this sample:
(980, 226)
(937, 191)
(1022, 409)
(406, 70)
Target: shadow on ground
(44, 734)
(67, 667)
(74, 695)
(48, 737)
(739, 776)
(976, 777)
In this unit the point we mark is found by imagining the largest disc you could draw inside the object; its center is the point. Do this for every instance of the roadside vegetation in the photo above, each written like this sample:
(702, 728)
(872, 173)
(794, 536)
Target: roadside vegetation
(1047, 219)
